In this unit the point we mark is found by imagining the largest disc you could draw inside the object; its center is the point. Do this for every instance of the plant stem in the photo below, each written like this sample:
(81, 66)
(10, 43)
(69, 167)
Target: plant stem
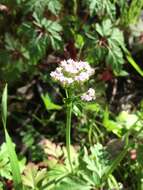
(75, 7)
(68, 128)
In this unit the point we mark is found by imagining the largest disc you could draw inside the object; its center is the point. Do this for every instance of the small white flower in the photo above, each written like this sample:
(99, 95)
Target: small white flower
(91, 92)
(89, 95)
(82, 77)
(71, 72)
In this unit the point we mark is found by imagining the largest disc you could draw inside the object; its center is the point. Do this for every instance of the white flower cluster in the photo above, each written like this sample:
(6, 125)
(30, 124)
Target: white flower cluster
(72, 72)
(89, 95)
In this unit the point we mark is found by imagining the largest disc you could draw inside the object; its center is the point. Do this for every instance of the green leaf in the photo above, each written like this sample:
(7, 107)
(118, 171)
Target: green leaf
(79, 41)
(113, 184)
(76, 111)
(113, 45)
(72, 184)
(100, 7)
(4, 106)
(109, 170)
(111, 125)
(93, 5)
(54, 6)
(57, 173)
(123, 73)
(10, 148)
(117, 39)
(129, 119)
(52, 34)
(32, 177)
(99, 29)
(51, 149)
(5, 170)
(92, 107)
(53, 26)
(13, 162)
(95, 161)
(134, 64)
(107, 27)
(115, 58)
(49, 104)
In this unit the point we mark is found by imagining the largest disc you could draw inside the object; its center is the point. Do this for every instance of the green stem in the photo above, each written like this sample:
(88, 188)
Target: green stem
(75, 7)
(68, 128)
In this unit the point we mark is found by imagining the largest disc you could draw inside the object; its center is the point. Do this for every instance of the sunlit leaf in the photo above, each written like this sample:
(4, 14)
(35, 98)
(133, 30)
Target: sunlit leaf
(10, 148)
(49, 104)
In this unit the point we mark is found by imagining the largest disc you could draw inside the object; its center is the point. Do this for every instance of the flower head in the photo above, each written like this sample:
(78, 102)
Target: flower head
(72, 72)
(89, 95)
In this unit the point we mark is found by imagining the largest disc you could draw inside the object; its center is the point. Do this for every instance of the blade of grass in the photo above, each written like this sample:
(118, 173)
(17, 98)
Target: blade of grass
(118, 159)
(10, 148)
(135, 65)
(121, 155)
(115, 163)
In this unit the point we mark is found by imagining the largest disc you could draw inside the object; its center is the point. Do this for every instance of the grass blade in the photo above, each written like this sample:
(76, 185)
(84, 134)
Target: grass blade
(10, 148)
(135, 65)
(4, 106)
